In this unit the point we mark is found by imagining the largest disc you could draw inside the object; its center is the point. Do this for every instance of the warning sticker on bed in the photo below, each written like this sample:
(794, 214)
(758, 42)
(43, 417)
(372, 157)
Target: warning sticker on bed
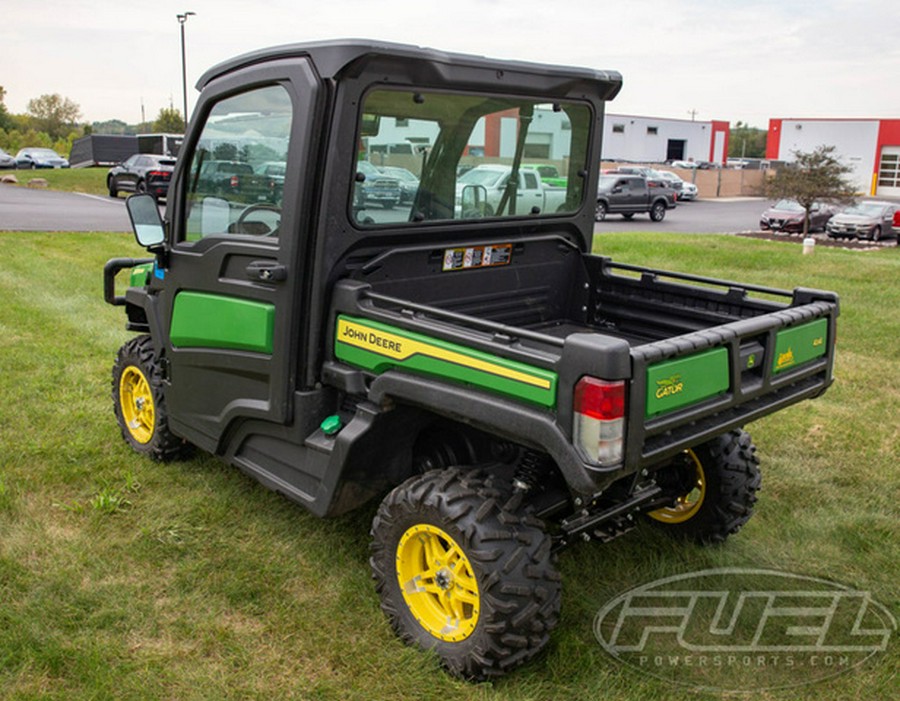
(477, 257)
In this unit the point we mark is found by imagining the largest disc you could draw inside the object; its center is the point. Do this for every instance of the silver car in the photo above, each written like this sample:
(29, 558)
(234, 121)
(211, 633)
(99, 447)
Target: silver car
(685, 190)
(864, 220)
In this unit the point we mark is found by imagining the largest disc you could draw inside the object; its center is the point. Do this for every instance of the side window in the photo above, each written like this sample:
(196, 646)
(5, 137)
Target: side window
(531, 181)
(231, 188)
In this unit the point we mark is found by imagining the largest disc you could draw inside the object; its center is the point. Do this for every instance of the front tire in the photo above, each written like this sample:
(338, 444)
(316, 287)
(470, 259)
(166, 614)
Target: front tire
(464, 570)
(139, 402)
(112, 187)
(717, 484)
(600, 211)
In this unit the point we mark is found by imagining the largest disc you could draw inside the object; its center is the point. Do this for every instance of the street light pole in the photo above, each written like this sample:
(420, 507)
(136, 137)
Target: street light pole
(182, 18)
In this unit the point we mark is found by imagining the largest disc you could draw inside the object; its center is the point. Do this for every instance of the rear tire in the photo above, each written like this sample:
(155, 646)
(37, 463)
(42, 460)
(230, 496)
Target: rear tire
(463, 569)
(140, 404)
(658, 211)
(720, 480)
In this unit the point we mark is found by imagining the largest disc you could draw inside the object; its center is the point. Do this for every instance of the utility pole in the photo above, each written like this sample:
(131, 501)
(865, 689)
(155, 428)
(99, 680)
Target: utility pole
(693, 114)
(182, 18)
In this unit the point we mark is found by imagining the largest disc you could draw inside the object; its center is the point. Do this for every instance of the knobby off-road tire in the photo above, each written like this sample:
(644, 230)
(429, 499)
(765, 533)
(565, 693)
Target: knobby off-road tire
(140, 403)
(455, 542)
(722, 478)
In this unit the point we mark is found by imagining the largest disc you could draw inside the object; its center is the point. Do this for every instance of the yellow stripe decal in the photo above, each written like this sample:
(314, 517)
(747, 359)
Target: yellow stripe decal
(400, 348)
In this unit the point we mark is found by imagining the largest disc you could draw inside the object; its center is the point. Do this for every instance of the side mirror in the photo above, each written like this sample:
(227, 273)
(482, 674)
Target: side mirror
(145, 220)
(473, 201)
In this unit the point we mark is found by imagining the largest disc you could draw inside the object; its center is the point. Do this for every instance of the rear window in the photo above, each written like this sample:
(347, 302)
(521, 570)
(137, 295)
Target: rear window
(438, 136)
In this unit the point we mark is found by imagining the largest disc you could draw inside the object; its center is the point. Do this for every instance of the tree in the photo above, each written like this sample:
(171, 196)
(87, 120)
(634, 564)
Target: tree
(746, 141)
(815, 176)
(169, 121)
(6, 119)
(54, 114)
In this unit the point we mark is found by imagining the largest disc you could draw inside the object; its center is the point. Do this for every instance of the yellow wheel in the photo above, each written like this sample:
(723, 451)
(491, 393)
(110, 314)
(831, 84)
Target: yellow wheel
(136, 401)
(463, 569)
(686, 506)
(437, 583)
(139, 402)
(713, 488)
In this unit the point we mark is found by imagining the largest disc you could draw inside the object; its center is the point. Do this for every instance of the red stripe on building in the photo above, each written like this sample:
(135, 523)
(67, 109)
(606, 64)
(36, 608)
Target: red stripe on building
(773, 140)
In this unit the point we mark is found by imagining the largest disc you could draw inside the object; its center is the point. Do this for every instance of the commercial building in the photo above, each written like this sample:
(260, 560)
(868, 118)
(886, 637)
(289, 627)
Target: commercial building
(655, 140)
(871, 147)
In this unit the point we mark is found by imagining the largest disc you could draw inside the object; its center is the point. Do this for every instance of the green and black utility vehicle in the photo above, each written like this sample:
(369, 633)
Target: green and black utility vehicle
(503, 391)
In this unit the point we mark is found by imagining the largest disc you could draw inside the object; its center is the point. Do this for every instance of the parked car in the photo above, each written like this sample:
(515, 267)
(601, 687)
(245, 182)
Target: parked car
(141, 173)
(374, 186)
(549, 174)
(689, 165)
(788, 215)
(273, 169)
(628, 195)
(7, 162)
(409, 183)
(865, 220)
(653, 177)
(683, 189)
(238, 182)
(40, 158)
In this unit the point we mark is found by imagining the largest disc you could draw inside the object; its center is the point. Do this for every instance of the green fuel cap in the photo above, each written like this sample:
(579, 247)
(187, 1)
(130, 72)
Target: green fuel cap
(331, 425)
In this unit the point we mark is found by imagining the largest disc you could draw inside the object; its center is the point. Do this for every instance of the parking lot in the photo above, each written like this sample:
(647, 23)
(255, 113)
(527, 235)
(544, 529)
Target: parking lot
(22, 209)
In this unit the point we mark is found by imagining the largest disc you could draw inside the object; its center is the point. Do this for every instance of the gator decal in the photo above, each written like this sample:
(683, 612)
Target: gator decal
(378, 347)
(673, 384)
(799, 344)
(202, 320)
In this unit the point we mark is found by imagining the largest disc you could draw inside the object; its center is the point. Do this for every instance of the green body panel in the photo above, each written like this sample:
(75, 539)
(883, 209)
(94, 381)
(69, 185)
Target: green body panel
(378, 347)
(140, 275)
(799, 345)
(673, 384)
(201, 320)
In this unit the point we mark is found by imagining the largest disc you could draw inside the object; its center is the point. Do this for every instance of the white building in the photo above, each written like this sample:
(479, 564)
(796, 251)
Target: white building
(871, 147)
(654, 140)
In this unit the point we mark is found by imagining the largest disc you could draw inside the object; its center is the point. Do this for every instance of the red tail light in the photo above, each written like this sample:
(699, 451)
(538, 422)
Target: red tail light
(235, 181)
(599, 422)
(158, 174)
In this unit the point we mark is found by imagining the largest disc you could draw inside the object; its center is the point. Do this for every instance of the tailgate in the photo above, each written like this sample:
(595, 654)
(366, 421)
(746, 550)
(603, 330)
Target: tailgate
(693, 387)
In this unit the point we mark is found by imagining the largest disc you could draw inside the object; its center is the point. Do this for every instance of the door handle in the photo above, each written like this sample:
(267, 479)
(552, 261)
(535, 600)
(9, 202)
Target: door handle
(266, 271)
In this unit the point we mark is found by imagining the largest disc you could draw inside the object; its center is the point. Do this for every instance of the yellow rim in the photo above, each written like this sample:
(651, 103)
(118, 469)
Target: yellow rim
(136, 400)
(687, 506)
(438, 583)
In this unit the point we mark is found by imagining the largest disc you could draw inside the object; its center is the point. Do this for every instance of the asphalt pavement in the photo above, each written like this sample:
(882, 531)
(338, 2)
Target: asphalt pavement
(23, 209)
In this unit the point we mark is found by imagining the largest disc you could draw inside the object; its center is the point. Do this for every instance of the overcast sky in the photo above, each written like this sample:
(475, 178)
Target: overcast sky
(725, 59)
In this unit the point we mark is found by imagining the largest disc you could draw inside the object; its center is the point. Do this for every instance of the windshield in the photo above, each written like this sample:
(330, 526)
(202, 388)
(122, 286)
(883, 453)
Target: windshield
(864, 209)
(788, 206)
(45, 152)
(460, 151)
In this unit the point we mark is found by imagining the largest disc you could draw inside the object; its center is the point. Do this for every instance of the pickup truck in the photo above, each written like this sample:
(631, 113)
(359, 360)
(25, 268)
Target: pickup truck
(631, 194)
(493, 182)
(499, 389)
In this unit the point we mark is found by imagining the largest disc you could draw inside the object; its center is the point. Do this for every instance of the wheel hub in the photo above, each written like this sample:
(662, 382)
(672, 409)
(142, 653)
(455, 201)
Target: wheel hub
(438, 583)
(136, 402)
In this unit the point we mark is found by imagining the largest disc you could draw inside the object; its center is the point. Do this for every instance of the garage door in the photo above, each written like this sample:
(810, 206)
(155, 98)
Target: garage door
(889, 172)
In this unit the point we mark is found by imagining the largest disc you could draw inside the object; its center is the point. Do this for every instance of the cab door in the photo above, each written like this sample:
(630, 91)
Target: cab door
(229, 286)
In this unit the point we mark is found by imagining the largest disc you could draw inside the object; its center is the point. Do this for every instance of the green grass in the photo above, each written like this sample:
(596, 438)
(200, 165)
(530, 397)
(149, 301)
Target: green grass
(125, 579)
(91, 181)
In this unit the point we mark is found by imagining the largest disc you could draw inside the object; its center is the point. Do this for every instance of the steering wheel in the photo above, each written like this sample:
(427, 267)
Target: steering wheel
(262, 207)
